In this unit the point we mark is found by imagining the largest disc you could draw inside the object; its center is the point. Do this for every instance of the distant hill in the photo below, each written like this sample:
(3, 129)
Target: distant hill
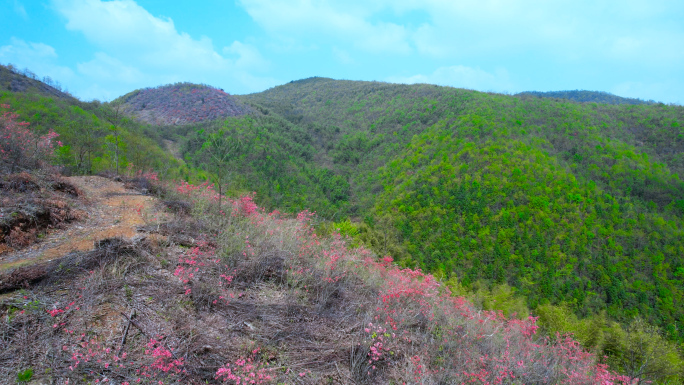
(181, 103)
(586, 96)
(14, 80)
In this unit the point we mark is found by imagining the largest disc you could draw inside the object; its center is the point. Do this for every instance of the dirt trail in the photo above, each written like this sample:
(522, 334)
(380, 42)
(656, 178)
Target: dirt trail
(112, 211)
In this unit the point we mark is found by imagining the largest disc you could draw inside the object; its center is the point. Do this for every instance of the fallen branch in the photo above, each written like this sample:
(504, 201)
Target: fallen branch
(147, 335)
(128, 326)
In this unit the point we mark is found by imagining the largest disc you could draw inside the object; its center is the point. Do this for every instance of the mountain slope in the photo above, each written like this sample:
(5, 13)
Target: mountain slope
(583, 96)
(13, 80)
(90, 145)
(569, 203)
(246, 296)
(180, 103)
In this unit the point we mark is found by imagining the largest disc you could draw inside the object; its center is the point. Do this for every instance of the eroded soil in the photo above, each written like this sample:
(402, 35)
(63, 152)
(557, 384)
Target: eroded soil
(112, 211)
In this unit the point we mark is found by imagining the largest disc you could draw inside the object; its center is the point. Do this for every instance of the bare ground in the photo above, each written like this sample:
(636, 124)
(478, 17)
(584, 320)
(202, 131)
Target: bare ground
(112, 211)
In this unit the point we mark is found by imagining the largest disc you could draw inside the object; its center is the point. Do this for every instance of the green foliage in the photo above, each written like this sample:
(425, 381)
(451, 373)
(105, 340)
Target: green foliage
(637, 350)
(90, 145)
(274, 160)
(564, 202)
(25, 375)
(586, 97)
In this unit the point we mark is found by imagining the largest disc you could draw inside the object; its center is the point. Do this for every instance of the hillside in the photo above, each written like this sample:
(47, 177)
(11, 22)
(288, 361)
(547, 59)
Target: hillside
(184, 301)
(180, 103)
(576, 205)
(583, 96)
(11, 79)
(90, 145)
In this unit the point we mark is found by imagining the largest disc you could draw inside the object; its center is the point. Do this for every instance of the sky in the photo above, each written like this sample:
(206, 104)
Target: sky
(103, 49)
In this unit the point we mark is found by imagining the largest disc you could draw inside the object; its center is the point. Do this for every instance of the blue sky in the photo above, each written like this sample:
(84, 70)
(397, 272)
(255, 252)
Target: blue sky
(103, 49)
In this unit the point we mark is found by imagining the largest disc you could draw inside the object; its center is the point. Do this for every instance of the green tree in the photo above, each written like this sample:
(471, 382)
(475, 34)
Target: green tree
(114, 114)
(219, 149)
(642, 353)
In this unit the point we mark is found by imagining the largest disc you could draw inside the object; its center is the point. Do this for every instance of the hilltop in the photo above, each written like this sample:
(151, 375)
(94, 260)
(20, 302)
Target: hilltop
(584, 96)
(180, 103)
(14, 80)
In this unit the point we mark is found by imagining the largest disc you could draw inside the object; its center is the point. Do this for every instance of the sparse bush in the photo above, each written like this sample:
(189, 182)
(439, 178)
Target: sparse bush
(21, 148)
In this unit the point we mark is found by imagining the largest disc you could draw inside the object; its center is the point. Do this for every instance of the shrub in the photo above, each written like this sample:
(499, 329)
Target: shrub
(21, 148)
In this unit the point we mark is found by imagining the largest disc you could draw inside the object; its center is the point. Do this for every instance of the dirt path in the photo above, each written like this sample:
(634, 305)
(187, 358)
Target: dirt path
(112, 211)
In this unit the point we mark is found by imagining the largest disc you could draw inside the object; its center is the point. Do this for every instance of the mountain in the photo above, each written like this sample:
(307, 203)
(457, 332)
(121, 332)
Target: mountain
(181, 103)
(568, 211)
(11, 79)
(583, 96)
(572, 204)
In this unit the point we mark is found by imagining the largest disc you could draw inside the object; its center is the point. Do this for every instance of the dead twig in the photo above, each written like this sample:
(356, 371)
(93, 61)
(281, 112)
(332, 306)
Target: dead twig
(147, 335)
(128, 326)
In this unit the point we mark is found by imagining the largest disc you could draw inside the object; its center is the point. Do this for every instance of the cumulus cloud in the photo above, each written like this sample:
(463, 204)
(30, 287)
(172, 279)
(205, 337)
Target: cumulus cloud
(565, 29)
(38, 57)
(136, 49)
(462, 77)
(337, 20)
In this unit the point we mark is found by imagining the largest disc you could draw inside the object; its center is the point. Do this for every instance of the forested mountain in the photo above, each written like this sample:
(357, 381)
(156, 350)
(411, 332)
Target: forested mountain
(576, 204)
(571, 204)
(584, 96)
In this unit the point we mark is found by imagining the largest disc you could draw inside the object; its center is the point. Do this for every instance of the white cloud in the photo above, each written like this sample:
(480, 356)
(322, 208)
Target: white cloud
(138, 49)
(248, 57)
(125, 27)
(462, 77)
(106, 67)
(561, 30)
(344, 21)
(38, 57)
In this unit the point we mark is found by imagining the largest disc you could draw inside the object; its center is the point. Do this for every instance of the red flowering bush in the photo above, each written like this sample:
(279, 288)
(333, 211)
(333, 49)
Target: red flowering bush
(245, 370)
(20, 148)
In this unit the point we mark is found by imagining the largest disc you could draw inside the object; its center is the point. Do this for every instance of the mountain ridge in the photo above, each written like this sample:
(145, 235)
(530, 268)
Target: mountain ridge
(584, 96)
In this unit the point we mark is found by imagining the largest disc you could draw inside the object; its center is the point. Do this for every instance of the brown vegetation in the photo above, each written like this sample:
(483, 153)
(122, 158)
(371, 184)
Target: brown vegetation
(33, 204)
(181, 103)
